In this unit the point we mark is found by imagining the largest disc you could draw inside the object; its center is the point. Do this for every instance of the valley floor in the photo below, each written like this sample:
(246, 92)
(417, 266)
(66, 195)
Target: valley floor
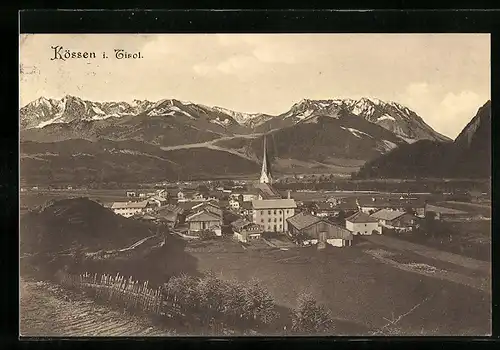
(363, 291)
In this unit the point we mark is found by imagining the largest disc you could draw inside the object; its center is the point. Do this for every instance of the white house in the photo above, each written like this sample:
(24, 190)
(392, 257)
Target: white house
(362, 224)
(128, 209)
(272, 213)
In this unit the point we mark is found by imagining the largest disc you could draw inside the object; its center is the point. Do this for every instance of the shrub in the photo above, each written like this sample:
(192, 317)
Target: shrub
(207, 235)
(182, 292)
(259, 304)
(311, 318)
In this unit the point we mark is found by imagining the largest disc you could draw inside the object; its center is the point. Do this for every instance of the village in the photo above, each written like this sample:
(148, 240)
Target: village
(249, 212)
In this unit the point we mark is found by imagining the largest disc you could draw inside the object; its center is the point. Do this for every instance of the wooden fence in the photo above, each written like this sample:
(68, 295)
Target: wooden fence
(117, 290)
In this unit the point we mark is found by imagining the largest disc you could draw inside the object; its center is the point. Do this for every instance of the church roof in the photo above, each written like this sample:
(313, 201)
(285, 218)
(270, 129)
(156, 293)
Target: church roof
(266, 166)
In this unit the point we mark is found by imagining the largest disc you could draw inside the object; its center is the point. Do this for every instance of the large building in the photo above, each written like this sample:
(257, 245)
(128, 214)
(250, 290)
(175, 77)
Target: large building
(272, 214)
(128, 209)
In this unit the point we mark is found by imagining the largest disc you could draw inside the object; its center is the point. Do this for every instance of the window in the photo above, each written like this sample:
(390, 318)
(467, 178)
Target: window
(269, 220)
(261, 220)
(274, 219)
(365, 224)
(281, 219)
(269, 212)
(262, 212)
(286, 211)
(274, 211)
(279, 211)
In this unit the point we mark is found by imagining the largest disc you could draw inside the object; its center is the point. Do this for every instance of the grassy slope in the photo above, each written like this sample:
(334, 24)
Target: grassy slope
(359, 289)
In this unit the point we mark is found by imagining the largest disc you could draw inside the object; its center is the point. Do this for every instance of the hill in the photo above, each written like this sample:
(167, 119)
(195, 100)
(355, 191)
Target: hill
(79, 222)
(469, 156)
(103, 161)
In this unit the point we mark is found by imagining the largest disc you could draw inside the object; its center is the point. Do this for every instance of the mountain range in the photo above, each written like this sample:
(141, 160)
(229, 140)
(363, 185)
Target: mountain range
(468, 156)
(323, 136)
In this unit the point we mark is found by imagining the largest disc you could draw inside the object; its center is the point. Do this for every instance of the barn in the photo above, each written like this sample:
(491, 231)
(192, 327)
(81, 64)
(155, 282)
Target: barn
(309, 229)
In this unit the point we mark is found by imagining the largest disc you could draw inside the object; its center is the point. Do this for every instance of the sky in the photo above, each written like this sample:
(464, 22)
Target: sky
(444, 78)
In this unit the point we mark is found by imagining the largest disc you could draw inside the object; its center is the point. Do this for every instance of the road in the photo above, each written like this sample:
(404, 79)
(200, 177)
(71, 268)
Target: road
(211, 143)
(46, 310)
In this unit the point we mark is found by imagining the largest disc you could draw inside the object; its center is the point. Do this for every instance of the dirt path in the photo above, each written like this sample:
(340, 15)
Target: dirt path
(482, 284)
(46, 310)
(428, 252)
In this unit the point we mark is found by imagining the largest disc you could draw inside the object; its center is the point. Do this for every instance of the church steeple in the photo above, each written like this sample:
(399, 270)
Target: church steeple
(265, 174)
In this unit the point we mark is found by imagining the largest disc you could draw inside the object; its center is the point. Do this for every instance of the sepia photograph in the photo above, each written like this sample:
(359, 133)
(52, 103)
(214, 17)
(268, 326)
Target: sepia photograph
(255, 185)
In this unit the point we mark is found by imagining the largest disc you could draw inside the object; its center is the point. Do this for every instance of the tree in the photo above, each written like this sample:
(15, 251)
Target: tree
(309, 317)
(259, 304)
(182, 292)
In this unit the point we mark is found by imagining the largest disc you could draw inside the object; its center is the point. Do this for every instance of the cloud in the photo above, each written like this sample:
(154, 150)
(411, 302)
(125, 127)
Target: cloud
(446, 112)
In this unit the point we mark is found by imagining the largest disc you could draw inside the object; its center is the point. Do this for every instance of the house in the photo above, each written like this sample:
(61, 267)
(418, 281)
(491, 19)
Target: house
(131, 194)
(371, 205)
(347, 207)
(246, 208)
(245, 230)
(309, 229)
(209, 206)
(128, 209)
(158, 201)
(395, 219)
(203, 220)
(170, 215)
(272, 213)
(234, 204)
(324, 209)
(446, 214)
(362, 224)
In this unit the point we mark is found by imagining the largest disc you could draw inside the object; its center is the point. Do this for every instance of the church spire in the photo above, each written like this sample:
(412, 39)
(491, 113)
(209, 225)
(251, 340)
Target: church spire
(265, 174)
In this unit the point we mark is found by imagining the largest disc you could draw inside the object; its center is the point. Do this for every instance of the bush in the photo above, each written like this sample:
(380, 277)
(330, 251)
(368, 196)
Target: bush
(259, 304)
(310, 318)
(211, 298)
(207, 235)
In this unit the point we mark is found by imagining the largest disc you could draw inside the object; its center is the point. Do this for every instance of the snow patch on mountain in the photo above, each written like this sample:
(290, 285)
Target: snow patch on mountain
(48, 122)
(386, 117)
(224, 123)
(359, 134)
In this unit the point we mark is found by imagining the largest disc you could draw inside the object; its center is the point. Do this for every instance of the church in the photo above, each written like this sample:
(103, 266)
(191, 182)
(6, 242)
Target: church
(271, 211)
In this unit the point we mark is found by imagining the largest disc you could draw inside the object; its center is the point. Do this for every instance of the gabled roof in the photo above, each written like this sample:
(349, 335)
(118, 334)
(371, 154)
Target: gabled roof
(387, 214)
(267, 191)
(240, 223)
(172, 208)
(129, 205)
(324, 206)
(167, 215)
(303, 220)
(274, 204)
(203, 216)
(361, 217)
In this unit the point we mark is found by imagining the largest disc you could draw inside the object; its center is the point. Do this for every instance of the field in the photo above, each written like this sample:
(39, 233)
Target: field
(361, 291)
(47, 310)
(36, 198)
